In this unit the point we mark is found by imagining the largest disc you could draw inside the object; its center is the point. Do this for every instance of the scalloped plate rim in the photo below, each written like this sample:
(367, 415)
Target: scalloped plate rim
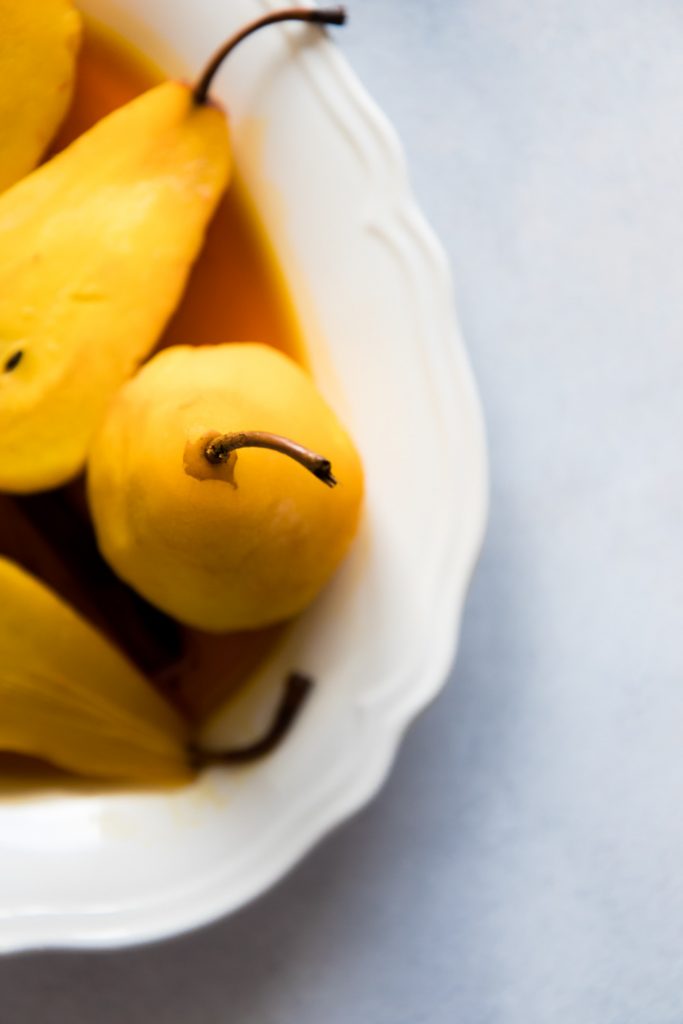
(172, 917)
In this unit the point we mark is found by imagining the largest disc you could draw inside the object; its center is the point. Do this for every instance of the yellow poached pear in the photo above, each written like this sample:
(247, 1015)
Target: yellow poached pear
(39, 42)
(197, 496)
(69, 697)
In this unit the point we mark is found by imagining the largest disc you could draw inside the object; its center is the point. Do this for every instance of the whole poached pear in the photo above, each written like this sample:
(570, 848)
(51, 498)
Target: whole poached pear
(206, 485)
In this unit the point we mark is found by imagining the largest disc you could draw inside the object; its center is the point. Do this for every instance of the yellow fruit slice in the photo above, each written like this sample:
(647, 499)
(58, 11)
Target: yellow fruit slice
(39, 42)
(69, 697)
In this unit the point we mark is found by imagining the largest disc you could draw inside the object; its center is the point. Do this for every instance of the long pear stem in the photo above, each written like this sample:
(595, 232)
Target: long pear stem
(297, 689)
(218, 450)
(314, 15)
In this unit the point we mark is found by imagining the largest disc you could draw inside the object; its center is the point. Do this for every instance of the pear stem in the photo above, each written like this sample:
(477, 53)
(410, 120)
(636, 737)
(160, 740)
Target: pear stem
(219, 448)
(296, 691)
(314, 15)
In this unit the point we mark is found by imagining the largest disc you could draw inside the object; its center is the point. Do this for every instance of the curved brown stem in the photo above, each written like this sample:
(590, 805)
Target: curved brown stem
(315, 15)
(297, 689)
(218, 450)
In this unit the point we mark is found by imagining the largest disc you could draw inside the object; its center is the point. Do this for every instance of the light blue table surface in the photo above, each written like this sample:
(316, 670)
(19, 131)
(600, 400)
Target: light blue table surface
(524, 865)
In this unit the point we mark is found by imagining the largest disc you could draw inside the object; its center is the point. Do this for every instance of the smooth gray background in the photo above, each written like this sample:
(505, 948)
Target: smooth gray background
(525, 862)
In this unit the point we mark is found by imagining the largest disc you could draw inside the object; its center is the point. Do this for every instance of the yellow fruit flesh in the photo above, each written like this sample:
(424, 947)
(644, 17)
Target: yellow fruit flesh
(95, 250)
(38, 46)
(69, 697)
(215, 556)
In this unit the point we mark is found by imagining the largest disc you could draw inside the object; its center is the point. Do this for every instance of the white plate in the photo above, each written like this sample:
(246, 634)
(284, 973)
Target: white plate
(373, 289)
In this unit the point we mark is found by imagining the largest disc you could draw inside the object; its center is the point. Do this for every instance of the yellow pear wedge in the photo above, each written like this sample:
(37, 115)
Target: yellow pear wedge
(95, 250)
(38, 47)
(70, 698)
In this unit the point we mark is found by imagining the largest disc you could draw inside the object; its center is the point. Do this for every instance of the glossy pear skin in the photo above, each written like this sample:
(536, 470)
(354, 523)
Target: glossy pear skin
(216, 556)
(39, 42)
(69, 697)
(95, 250)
